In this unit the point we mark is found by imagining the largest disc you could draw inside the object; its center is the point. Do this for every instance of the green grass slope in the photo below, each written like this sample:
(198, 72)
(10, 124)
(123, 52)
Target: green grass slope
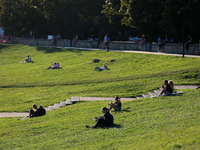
(130, 75)
(160, 123)
(152, 123)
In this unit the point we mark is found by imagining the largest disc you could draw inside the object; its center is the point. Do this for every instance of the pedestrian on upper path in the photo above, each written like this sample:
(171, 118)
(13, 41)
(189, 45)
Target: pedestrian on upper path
(106, 42)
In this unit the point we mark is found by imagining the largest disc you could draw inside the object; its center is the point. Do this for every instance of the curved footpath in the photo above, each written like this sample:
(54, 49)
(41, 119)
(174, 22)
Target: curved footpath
(128, 51)
(22, 114)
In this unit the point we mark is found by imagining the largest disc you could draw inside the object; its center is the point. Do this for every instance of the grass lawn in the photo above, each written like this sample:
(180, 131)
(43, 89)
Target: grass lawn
(160, 123)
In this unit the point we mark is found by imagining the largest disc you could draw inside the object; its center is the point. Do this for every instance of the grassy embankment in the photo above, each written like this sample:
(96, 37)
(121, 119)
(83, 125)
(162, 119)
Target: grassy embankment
(160, 123)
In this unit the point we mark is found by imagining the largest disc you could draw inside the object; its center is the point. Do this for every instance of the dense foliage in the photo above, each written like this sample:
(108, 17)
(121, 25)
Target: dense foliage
(119, 18)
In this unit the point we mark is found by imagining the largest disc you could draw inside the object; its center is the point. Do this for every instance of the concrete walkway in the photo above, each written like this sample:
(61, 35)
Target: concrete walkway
(14, 114)
(23, 114)
(129, 51)
(104, 99)
(186, 87)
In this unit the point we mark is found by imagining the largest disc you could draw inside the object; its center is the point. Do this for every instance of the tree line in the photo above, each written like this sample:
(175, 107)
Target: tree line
(119, 18)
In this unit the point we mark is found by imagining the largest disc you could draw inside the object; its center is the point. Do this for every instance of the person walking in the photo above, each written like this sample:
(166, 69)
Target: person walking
(159, 44)
(106, 41)
(3, 38)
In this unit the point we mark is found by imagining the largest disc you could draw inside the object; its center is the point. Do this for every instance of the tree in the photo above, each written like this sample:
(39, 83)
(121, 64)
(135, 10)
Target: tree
(144, 16)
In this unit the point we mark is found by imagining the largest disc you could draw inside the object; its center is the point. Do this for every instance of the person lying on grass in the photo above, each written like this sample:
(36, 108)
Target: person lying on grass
(100, 68)
(105, 120)
(54, 66)
(116, 105)
(166, 90)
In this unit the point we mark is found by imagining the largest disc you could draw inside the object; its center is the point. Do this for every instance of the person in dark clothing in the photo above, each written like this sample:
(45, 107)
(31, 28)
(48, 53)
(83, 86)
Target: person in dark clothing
(33, 112)
(186, 45)
(166, 89)
(105, 120)
(41, 111)
(116, 105)
(143, 40)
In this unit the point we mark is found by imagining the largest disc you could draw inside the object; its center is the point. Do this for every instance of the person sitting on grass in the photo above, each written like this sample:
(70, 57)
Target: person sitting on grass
(100, 68)
(41, 111)
(116, 105)
(105, 120)
(27, 59)
(171, 85)
(35, 112)
(57, 65)
(54, 66)
(166, 90)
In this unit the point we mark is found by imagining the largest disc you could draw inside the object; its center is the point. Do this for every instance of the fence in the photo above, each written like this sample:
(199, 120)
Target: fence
(176, 48)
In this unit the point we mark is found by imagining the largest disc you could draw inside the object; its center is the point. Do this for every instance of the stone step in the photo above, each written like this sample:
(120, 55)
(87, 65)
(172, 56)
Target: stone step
(156, 92)
(62, 103)
(50, 108)
(145, 95)
(68, 102)
(139, 97)
(152, 94)
(56, 105)
(75, 99)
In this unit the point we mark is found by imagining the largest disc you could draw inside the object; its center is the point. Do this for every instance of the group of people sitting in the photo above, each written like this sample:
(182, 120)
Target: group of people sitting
(167, 88)
(54, 66)
(35, 112)
(107, 119)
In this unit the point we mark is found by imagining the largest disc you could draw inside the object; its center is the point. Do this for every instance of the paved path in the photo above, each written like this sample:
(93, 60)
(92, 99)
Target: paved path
(23, 114)
(186, 87)
(14, 114)
(130, 51)
(104, 99)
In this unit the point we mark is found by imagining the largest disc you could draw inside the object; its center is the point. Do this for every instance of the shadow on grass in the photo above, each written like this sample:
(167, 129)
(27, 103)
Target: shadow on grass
(107, 127)
(2, 46)
(123, 110)
(103, 69)
(177, 94)
(115, 126)
(53, 68)
(54, 49)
